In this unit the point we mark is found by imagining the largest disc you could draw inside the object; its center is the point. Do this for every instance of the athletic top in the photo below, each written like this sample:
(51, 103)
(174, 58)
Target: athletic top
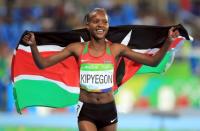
(96, 73)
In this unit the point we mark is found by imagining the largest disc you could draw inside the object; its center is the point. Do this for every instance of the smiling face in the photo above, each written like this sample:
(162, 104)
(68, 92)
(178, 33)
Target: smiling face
(98, 24)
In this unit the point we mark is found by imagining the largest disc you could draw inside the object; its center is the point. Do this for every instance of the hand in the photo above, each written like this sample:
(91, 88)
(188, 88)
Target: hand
(173, 33)
(29, 39)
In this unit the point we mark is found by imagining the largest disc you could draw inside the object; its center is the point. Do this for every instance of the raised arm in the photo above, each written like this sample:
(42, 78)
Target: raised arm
(145, 59)
(43, 62)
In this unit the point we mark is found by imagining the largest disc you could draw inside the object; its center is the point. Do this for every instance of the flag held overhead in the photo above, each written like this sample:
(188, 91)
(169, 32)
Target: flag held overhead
(56, 87)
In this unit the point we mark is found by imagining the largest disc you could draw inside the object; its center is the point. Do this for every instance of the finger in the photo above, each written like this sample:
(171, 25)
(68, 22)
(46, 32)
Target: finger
(26, 40)
(172, 28)
(31, 33)
(171, 31)
(32, 36)
(27, 36)
(177, 32)
(171, 34)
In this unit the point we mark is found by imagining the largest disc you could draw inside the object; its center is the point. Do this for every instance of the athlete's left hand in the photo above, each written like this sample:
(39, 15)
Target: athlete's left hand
(173, 33)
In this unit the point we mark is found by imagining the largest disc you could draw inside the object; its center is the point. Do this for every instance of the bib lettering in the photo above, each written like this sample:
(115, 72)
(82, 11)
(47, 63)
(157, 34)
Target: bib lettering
(96, 76)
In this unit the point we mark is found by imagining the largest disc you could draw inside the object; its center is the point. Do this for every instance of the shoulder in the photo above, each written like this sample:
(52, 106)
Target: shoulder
(116, 49)
(76, 44)
(117, 46)
(75, 48)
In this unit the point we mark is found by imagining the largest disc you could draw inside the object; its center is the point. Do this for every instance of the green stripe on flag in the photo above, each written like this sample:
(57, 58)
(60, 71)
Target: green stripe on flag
(29, 93)
(160, 67)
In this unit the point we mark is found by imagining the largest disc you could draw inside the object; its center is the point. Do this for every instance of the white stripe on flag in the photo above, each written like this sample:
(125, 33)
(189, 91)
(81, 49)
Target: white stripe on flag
(82, 39)
(127, 38)
(61, 84)
(147, 51)
(41, 48)
(45, 48)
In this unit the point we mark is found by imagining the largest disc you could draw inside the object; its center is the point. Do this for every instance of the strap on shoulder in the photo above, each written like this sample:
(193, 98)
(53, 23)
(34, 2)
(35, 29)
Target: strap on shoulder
(108, 49)
(85, 50)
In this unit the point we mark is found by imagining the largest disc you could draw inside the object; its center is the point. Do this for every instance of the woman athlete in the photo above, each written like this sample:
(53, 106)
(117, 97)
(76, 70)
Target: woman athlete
(97, 59)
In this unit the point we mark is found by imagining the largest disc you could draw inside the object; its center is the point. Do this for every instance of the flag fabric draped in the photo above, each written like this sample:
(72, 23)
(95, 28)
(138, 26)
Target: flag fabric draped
(58, 86)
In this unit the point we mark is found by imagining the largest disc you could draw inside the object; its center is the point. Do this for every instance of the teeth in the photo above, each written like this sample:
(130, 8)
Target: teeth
(100, 30)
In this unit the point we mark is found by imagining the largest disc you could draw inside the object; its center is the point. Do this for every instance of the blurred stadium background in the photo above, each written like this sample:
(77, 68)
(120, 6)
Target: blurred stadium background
(150, 102)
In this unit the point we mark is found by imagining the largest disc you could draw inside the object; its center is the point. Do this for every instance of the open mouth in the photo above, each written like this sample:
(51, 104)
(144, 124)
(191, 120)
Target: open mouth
(100, 31)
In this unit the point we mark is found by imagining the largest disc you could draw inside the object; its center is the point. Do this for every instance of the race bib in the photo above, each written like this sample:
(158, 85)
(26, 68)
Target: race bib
(96, 76)
(78, 108)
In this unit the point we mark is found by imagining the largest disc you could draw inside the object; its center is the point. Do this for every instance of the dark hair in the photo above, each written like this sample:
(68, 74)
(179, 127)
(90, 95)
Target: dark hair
(88, 15)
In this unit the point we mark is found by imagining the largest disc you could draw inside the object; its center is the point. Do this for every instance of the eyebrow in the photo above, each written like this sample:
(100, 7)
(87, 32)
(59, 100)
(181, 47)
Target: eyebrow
(91, 17)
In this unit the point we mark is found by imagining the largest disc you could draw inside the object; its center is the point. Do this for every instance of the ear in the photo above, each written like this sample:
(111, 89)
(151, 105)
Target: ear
(87, 26)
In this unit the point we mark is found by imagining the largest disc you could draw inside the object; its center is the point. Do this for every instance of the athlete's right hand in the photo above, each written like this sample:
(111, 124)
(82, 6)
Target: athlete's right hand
(29, 39)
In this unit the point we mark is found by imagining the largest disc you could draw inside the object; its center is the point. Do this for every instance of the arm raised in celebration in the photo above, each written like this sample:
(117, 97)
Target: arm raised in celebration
(146, 59)
(43, 62)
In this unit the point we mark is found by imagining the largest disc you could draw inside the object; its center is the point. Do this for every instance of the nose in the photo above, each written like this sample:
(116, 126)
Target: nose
(101, 24)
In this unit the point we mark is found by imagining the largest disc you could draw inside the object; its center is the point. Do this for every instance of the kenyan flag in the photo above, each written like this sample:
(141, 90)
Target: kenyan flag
(58, 86)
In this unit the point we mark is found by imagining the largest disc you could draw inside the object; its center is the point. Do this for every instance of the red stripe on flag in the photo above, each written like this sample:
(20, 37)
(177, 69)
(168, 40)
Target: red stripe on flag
(12, 68)
(175, 43)
(65, 71)
(131, 68)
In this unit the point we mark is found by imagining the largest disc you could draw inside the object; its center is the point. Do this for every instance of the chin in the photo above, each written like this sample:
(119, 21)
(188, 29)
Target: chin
(99, 37)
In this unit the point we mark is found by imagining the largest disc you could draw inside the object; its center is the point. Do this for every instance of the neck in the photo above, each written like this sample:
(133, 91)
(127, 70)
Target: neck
(98, 43)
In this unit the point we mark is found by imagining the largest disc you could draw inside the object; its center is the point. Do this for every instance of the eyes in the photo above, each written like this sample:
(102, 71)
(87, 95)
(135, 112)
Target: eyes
(97, 21)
